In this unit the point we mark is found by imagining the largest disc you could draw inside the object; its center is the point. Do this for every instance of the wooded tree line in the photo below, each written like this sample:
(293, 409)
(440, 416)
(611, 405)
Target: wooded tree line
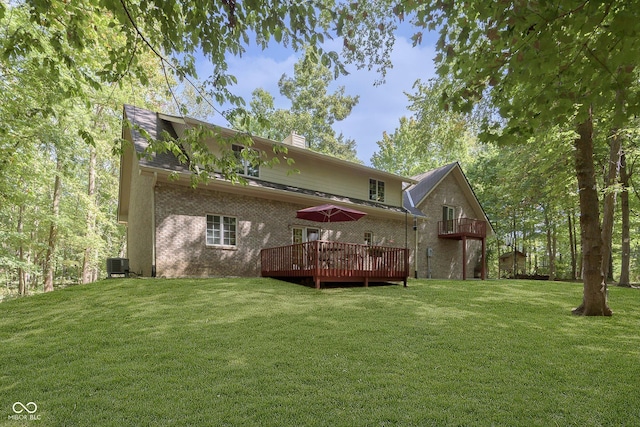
(59, 163)
(570, 66)
(537, 199)
(528, 189)
(561, 76)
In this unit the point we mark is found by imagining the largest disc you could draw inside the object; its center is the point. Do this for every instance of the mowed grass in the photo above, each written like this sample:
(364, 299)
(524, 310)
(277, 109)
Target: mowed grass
(243, 352)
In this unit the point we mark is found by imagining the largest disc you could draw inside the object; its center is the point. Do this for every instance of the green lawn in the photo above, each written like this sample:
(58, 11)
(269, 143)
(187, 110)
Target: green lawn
(243, 352)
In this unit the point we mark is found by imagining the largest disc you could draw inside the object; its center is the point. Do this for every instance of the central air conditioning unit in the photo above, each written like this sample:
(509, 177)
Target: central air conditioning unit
(117, 267)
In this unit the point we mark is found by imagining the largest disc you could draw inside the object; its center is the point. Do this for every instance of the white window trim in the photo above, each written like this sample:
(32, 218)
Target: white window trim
(452, 208)
(220, 245)
(384, 195)
(371, 237)
(305, 232)
(243, 162)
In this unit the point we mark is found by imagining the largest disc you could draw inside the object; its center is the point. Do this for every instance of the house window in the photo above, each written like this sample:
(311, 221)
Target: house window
(221, 230)
(448, 216)
(368, 238)
(245, 157)
(304, 234)
(376, 190)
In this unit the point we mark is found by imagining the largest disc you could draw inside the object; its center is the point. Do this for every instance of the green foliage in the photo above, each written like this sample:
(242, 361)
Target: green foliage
(430, 138)
(174, 31)
(402, 151)
(519, 186)
(547, 63)
(313, 110)
(50, 115)
(264, 352)
(368, 31)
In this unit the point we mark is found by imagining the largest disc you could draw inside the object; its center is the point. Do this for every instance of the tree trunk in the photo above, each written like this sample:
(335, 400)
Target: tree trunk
(594, 301)
(515, 247)
(572, 244)
(554, 248)
(610, 202)
(626, 234)
(87, 268)
(22, 289)
(550, 250)
(53, 230)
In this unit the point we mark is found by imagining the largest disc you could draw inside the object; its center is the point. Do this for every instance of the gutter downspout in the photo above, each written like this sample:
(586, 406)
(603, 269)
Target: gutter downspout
(153, 224)
(415, 228)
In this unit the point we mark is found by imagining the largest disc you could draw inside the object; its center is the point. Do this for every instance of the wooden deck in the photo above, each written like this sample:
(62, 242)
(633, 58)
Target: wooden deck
(324, 261)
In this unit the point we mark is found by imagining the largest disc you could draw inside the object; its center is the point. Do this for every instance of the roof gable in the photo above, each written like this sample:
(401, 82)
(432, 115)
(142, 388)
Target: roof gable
(429, 181)
(151, 123)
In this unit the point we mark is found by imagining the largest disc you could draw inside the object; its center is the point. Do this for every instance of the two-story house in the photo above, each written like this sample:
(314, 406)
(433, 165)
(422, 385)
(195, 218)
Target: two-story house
(219, 228)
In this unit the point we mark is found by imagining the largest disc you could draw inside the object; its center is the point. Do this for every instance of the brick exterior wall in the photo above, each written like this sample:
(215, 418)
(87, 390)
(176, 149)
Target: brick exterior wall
(446, 262)
(140, 225)
(180, 221)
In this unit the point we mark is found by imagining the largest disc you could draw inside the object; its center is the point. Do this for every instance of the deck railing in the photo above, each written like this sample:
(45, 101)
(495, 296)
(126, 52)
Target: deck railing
(336, 261)
(462, 227)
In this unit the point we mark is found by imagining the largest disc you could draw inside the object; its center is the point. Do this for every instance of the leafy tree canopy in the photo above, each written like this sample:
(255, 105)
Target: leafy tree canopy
(430, 138)
(547, 63)
(312, 114)
(174, 30)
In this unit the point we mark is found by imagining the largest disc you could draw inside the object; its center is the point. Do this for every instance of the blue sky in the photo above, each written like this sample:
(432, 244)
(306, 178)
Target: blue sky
(380, 107)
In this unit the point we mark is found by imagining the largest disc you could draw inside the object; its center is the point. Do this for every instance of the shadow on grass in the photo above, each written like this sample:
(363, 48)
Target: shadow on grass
(308, 283)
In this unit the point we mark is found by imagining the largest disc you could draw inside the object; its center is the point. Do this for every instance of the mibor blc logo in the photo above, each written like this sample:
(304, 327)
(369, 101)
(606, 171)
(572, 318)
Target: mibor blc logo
(22, 411)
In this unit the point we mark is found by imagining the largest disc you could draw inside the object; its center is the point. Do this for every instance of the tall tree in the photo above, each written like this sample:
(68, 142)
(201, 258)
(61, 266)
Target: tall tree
(88, 272)
(610, 192)
(430, 138)
(626, 234)
(313, 111)
(52, 241)
(401, 152)
(53, 127)
(547, 64)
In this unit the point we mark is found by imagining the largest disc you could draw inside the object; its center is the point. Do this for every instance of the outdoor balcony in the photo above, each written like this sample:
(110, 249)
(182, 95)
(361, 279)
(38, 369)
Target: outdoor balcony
(462, 228)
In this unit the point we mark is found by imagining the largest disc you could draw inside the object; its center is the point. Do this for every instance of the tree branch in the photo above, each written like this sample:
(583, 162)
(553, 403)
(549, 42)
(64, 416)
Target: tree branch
(164, 61)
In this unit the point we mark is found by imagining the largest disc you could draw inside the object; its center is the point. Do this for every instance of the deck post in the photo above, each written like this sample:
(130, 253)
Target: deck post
(316, 267)
(464, 257)
(406, 266)
(484, 259)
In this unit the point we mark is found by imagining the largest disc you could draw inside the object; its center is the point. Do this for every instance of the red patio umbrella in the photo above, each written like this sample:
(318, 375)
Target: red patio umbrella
(329, 213)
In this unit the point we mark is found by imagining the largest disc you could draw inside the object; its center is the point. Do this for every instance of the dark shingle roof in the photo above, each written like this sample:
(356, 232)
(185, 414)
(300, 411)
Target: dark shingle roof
(154, 126)
(151, 123)
(427, 182)
(324, 195)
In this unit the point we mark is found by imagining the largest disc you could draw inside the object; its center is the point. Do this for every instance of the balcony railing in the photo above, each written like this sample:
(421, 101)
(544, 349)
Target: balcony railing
(463, 227)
